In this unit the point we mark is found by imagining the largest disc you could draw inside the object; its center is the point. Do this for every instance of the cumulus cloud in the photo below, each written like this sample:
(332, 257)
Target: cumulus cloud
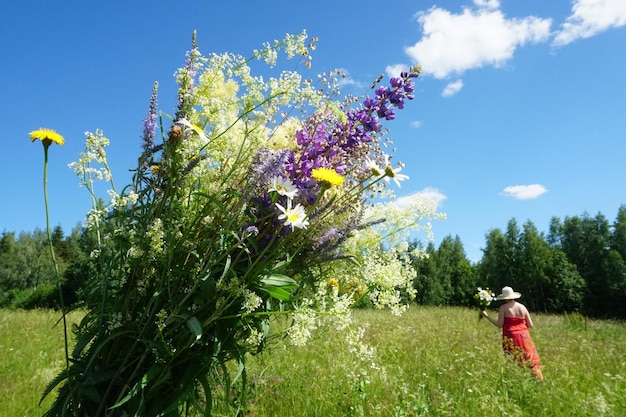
(479, 36)
(525, 192)
(590, 17)
(452, 88)
(429, 193)
(396, 69)
(489, 4)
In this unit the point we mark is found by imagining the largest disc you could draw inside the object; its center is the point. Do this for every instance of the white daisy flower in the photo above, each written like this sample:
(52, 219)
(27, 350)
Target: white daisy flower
(294, 217)
(283, 186)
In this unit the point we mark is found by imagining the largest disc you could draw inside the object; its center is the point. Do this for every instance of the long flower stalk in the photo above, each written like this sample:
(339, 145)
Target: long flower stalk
(48, 137)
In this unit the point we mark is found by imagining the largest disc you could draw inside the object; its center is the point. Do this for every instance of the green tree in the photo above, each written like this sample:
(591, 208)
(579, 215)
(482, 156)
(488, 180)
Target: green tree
(568, 288)
(455, 272)
(618, 236)
(585, 241)
(499, 265)
(534, 261)
(430, 290)
(615, 293)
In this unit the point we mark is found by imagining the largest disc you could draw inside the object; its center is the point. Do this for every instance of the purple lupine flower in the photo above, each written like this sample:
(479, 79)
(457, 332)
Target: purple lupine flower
(150, 122)
(268, 164)
(326, 142)
(187, 79)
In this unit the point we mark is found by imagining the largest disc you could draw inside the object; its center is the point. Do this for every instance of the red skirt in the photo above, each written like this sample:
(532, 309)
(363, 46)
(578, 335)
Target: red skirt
(516, 341)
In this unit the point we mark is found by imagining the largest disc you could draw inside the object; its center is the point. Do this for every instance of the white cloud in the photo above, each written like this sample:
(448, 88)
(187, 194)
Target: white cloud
(416, 124)
(453, 43)
(396, 69)
(452, 88)
(429, 194)
(589, 17)
(488, 4)
(524, 192)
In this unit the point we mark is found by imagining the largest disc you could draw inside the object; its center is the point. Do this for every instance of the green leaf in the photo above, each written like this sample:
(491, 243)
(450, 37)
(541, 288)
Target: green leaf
(278, 286)
(139, 386)
(279, 280)
(196, 328)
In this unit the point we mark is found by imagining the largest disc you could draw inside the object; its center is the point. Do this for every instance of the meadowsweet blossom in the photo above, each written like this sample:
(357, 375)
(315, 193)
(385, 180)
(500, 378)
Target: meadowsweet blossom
(304, 323)
(362, 351)
(252, 301)
(156, 236)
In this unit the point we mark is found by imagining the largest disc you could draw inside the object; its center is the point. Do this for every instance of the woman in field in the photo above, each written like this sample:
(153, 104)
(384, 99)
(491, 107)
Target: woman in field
(514, 319)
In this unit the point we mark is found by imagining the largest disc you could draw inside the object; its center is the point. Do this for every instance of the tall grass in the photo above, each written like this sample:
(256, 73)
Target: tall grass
(433, 362)
(31, 354)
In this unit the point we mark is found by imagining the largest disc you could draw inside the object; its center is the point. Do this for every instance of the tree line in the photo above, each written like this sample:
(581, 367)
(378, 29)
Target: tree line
(579, 265)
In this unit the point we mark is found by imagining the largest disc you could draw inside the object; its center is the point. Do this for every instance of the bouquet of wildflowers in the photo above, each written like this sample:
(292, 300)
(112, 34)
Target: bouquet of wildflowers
(483, 299)
(234, 216)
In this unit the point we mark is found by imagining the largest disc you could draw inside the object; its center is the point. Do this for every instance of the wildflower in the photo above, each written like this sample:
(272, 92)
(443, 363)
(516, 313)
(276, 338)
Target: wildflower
(283, 186)
(294, 217)
(327, 177)
(193, 127)
(156, 236)
(251, 301)
(47, 136)
(332, 283)
(483, 299)
(373, 167)
(391, 172)
(150, 122)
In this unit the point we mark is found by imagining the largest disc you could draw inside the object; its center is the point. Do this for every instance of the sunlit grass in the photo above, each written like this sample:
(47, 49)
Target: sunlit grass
(434, 362)
(444, 362)
(31, 354)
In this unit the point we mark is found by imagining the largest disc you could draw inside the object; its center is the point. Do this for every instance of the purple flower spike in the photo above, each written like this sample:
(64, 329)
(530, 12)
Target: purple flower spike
(150, 122)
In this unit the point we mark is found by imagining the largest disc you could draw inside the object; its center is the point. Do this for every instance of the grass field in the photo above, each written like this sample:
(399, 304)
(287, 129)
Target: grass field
(432, 362)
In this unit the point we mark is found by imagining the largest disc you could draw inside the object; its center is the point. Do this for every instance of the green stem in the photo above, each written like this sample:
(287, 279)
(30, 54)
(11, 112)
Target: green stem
(54, 261)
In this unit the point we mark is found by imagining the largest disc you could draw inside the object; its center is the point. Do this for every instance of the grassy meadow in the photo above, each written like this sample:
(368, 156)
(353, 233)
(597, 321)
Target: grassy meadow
(431, 362)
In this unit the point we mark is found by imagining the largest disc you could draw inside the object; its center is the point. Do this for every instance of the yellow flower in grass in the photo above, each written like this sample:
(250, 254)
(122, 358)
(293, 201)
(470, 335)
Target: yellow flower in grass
(47, 136)
(334, 284)
(327, 177)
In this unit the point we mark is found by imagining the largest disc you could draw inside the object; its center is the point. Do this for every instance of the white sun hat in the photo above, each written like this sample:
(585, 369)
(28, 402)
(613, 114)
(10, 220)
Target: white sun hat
(508, 294)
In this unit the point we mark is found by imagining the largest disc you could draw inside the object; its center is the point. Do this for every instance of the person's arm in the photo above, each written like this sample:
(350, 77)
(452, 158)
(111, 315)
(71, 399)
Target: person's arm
(497, 323)
(529, 321)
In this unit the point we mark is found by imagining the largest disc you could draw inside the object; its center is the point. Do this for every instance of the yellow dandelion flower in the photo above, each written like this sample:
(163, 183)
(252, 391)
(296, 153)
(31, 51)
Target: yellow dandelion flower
(47, 136)
(327, 177)
(334, 284)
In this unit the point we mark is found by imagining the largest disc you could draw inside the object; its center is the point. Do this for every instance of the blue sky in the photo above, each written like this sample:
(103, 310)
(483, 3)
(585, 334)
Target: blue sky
(520, 111)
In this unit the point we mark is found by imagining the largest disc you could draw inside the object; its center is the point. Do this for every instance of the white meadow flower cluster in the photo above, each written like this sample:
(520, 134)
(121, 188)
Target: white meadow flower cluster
(156, 236)
(363, 352)
(305, 322)
(94, 153)
(390, 280)
(403, 216)
(252, 301)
